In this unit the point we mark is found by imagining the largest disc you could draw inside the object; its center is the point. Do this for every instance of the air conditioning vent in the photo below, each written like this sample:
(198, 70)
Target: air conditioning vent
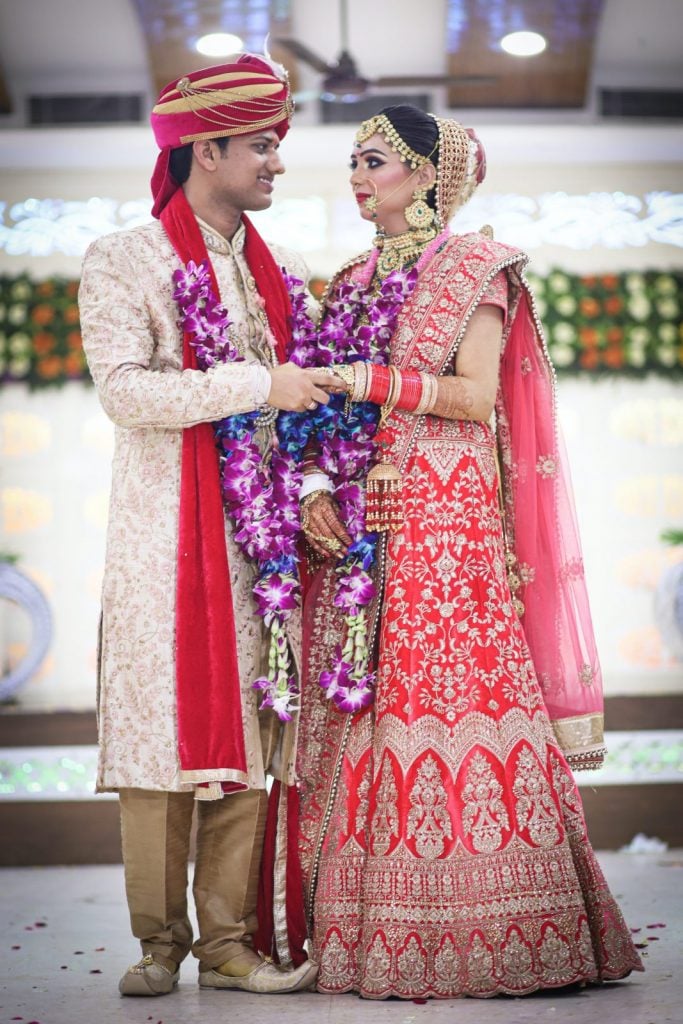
(334, 112)
(659, 103)
(103, 108)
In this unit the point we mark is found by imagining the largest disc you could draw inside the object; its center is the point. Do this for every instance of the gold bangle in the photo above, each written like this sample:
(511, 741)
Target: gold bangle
(360, 376)
(392, 397)
(425, 394)
(432, 393)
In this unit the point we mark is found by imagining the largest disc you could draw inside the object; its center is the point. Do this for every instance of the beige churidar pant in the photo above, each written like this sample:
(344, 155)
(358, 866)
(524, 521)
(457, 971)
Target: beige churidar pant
(155, 839)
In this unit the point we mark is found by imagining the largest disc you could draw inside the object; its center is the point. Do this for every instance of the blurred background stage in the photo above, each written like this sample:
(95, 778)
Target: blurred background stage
(585, 156)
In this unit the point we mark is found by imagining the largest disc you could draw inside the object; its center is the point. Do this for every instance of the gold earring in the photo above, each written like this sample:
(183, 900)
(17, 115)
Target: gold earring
(419, 214)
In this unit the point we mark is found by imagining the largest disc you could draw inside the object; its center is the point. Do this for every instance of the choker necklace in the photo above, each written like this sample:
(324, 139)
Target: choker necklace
(399, 252)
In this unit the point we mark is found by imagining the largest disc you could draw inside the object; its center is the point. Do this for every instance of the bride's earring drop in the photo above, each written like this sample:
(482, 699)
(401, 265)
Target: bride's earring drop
(419, 214)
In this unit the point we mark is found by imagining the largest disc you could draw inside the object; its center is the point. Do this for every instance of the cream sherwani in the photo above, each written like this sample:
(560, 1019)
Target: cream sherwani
(134, 350)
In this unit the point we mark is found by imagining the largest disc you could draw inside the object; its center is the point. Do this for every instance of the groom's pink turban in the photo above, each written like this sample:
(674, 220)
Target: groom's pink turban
(239, 98)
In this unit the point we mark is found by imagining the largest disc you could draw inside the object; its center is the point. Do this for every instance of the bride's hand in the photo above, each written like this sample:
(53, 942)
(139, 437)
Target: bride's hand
(323, 528)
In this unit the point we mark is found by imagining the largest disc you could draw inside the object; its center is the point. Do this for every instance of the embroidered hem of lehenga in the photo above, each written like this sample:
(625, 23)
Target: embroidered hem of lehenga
(510, 943)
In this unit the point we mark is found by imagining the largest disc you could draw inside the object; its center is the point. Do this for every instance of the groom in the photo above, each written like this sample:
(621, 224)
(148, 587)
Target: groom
(179, 722)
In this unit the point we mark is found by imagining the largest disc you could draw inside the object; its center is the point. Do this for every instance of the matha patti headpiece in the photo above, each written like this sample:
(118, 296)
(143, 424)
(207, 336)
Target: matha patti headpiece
(381, 125)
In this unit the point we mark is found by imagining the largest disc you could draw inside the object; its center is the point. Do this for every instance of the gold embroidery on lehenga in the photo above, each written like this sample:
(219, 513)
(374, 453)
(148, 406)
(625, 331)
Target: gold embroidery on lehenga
(555, 956)
(377, 964)
(363, 794)
(412, 966)
(337, 959)
(428, 818)
(484, 815)
(566, 790)
(384, 826)
(474, 919)
(480, 965)
(518, 961)
(448, 967)
(534, 805)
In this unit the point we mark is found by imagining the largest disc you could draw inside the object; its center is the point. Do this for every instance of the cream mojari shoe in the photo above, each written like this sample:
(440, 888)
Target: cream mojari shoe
(148, 978)
(266, 978)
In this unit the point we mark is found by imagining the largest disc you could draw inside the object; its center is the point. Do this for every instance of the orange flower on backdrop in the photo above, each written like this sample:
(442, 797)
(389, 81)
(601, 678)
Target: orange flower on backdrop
(42, 314)
(614, 357)
(589, 306)
(590, 359)
(628, 323)
(316, 287)
(43, 343)
(50, 367)
(589, 337)
(40, 341)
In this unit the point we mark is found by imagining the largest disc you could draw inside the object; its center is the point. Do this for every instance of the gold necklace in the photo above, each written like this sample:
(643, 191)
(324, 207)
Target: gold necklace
(396, 252)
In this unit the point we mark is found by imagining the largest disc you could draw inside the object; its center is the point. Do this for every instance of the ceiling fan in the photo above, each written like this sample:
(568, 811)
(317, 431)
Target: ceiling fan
(343, 81)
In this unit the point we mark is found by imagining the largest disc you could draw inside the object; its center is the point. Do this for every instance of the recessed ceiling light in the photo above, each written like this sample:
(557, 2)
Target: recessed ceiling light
(219, 44)
(523, 44)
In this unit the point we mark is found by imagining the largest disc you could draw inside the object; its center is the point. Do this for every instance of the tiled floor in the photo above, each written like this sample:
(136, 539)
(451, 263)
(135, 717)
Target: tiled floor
(64, 943)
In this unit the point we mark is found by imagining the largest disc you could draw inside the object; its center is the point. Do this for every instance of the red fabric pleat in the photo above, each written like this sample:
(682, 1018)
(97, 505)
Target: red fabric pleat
(264, 936)
(296, 917)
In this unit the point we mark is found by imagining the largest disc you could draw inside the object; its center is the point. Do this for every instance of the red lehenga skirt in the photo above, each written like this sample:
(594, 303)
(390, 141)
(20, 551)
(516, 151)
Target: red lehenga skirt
(442, 837)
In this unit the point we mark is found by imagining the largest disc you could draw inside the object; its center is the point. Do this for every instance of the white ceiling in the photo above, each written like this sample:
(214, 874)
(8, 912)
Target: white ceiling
(49, 46)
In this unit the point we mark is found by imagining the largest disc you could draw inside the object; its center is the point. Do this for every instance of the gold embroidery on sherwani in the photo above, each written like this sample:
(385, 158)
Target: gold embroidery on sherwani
(134, 347)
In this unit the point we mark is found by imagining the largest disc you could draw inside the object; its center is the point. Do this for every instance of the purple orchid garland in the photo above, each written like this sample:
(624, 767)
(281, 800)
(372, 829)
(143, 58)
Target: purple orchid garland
(358, 324)
(261, 496)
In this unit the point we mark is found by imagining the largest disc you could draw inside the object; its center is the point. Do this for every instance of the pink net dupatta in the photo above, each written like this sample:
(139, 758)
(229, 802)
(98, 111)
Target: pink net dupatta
(543, 533)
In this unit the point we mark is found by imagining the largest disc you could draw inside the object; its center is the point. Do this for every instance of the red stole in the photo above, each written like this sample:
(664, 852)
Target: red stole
(209, 705)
